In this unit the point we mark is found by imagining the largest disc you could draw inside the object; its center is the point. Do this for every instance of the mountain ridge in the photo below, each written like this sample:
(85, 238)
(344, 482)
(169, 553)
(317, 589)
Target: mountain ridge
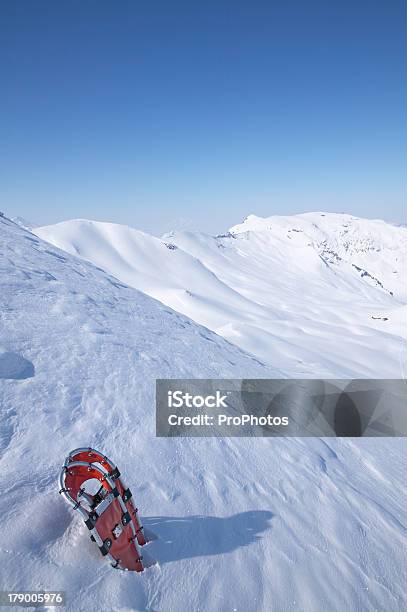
(301, 291)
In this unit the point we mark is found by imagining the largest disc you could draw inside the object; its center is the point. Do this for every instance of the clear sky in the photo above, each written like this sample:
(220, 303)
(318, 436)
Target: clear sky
(195, 114)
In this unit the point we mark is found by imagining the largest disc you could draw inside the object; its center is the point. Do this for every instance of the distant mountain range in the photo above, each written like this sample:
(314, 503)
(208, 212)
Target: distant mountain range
(316, 293)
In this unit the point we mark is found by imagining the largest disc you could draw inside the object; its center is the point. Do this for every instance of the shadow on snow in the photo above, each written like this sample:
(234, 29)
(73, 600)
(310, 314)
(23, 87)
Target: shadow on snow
(199, 536)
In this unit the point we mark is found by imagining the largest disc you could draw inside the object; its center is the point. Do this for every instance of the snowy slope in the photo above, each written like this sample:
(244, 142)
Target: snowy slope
(265, 524)
(24, 223)
(300, 291)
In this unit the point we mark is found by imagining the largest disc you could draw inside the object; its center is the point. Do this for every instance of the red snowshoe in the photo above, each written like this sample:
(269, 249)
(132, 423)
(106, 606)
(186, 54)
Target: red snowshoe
(92, 484)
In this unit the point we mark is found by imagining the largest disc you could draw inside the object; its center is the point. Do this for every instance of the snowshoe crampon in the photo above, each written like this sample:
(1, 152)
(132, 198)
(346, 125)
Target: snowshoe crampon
(93, 486)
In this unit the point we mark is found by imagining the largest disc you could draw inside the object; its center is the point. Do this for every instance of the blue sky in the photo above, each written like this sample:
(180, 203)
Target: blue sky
(195, 114)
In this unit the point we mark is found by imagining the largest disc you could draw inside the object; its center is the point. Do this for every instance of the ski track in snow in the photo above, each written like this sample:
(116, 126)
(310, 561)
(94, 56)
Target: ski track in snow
(265, 524)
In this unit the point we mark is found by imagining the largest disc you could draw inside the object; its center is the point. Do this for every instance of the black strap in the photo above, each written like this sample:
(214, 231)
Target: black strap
(104, 549)
(115, 474)
(126, 495)
(91, 520)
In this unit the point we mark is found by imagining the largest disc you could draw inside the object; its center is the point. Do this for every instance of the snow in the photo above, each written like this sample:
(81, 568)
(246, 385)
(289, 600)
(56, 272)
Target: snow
(243, 524)
(299, 291)
(24, 223)
(14, 366)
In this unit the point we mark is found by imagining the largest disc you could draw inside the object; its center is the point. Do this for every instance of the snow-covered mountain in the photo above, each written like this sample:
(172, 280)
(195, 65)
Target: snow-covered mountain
(79, 355)
(315, 292)
(243, 524)
(24, 223)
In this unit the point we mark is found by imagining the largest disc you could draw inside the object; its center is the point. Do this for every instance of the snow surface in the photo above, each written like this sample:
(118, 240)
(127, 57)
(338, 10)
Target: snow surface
(243, 524)
(302, 291)
(24, 223)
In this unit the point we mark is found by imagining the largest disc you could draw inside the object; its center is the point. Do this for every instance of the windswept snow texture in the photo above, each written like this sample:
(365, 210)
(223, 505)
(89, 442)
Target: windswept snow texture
(313, 293)
(243, 524)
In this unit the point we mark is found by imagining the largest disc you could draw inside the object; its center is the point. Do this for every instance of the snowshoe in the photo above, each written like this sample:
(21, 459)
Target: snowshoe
(93, 485)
